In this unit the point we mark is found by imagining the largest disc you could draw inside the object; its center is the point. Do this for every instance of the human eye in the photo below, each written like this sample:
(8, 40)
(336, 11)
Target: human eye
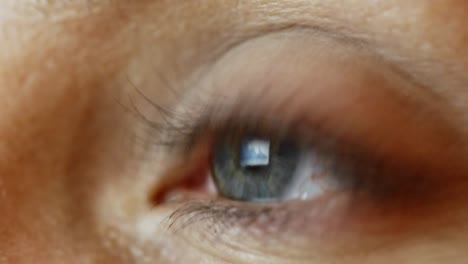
(300, 137)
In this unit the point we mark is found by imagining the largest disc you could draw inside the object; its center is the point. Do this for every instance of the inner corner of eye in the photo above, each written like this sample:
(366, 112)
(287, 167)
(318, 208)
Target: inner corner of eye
(187, 179)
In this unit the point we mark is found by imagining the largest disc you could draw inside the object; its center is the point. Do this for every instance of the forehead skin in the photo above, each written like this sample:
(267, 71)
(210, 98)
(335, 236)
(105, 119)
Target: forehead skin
(63, 63)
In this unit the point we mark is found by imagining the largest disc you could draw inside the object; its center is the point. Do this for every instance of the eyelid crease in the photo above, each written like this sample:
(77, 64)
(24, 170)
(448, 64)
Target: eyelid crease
(389, 213)
(176, 122)
(182, 125)
(213, 120)
(180, 129)
(348, 39)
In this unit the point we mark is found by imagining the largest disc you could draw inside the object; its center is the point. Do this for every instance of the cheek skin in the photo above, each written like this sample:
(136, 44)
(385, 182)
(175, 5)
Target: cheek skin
(57, 110)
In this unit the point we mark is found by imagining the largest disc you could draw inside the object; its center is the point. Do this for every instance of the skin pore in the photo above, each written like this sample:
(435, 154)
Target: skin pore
(83, 85)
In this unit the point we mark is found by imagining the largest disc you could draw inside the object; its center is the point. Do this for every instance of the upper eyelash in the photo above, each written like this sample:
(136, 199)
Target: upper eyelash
(176, 129)
(170, 131)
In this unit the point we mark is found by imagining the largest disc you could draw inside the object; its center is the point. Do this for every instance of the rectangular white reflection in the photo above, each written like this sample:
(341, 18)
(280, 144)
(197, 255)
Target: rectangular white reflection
(255, 152)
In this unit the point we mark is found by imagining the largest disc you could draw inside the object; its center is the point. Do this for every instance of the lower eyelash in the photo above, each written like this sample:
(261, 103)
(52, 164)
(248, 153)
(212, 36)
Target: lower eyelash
(384, 190)
(222, 220)
(381, 191)
(224, 212)
(213, 220)
(389, 191)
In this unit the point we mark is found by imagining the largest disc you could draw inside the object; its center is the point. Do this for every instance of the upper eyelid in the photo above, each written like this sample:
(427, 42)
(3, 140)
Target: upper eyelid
(314, 27)
(184, 125)
(403, 67)
(173, 121)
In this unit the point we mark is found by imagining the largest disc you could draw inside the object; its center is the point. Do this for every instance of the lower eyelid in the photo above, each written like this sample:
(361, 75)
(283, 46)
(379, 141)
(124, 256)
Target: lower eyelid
(333, 219)
(381, 200)
(389, 203)
(413, 202)
(392, 205)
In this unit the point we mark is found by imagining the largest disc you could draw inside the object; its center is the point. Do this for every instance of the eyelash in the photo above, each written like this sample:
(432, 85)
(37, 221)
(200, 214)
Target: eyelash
(183, 132)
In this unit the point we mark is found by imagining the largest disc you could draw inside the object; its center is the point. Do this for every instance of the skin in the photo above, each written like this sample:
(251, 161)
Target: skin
(74, 182)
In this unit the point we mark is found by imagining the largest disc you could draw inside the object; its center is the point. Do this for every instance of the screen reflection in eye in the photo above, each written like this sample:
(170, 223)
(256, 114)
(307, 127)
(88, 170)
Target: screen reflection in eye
(254, 168)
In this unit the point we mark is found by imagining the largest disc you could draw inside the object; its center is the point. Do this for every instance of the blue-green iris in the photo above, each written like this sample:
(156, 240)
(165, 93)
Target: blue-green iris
(254, 168)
